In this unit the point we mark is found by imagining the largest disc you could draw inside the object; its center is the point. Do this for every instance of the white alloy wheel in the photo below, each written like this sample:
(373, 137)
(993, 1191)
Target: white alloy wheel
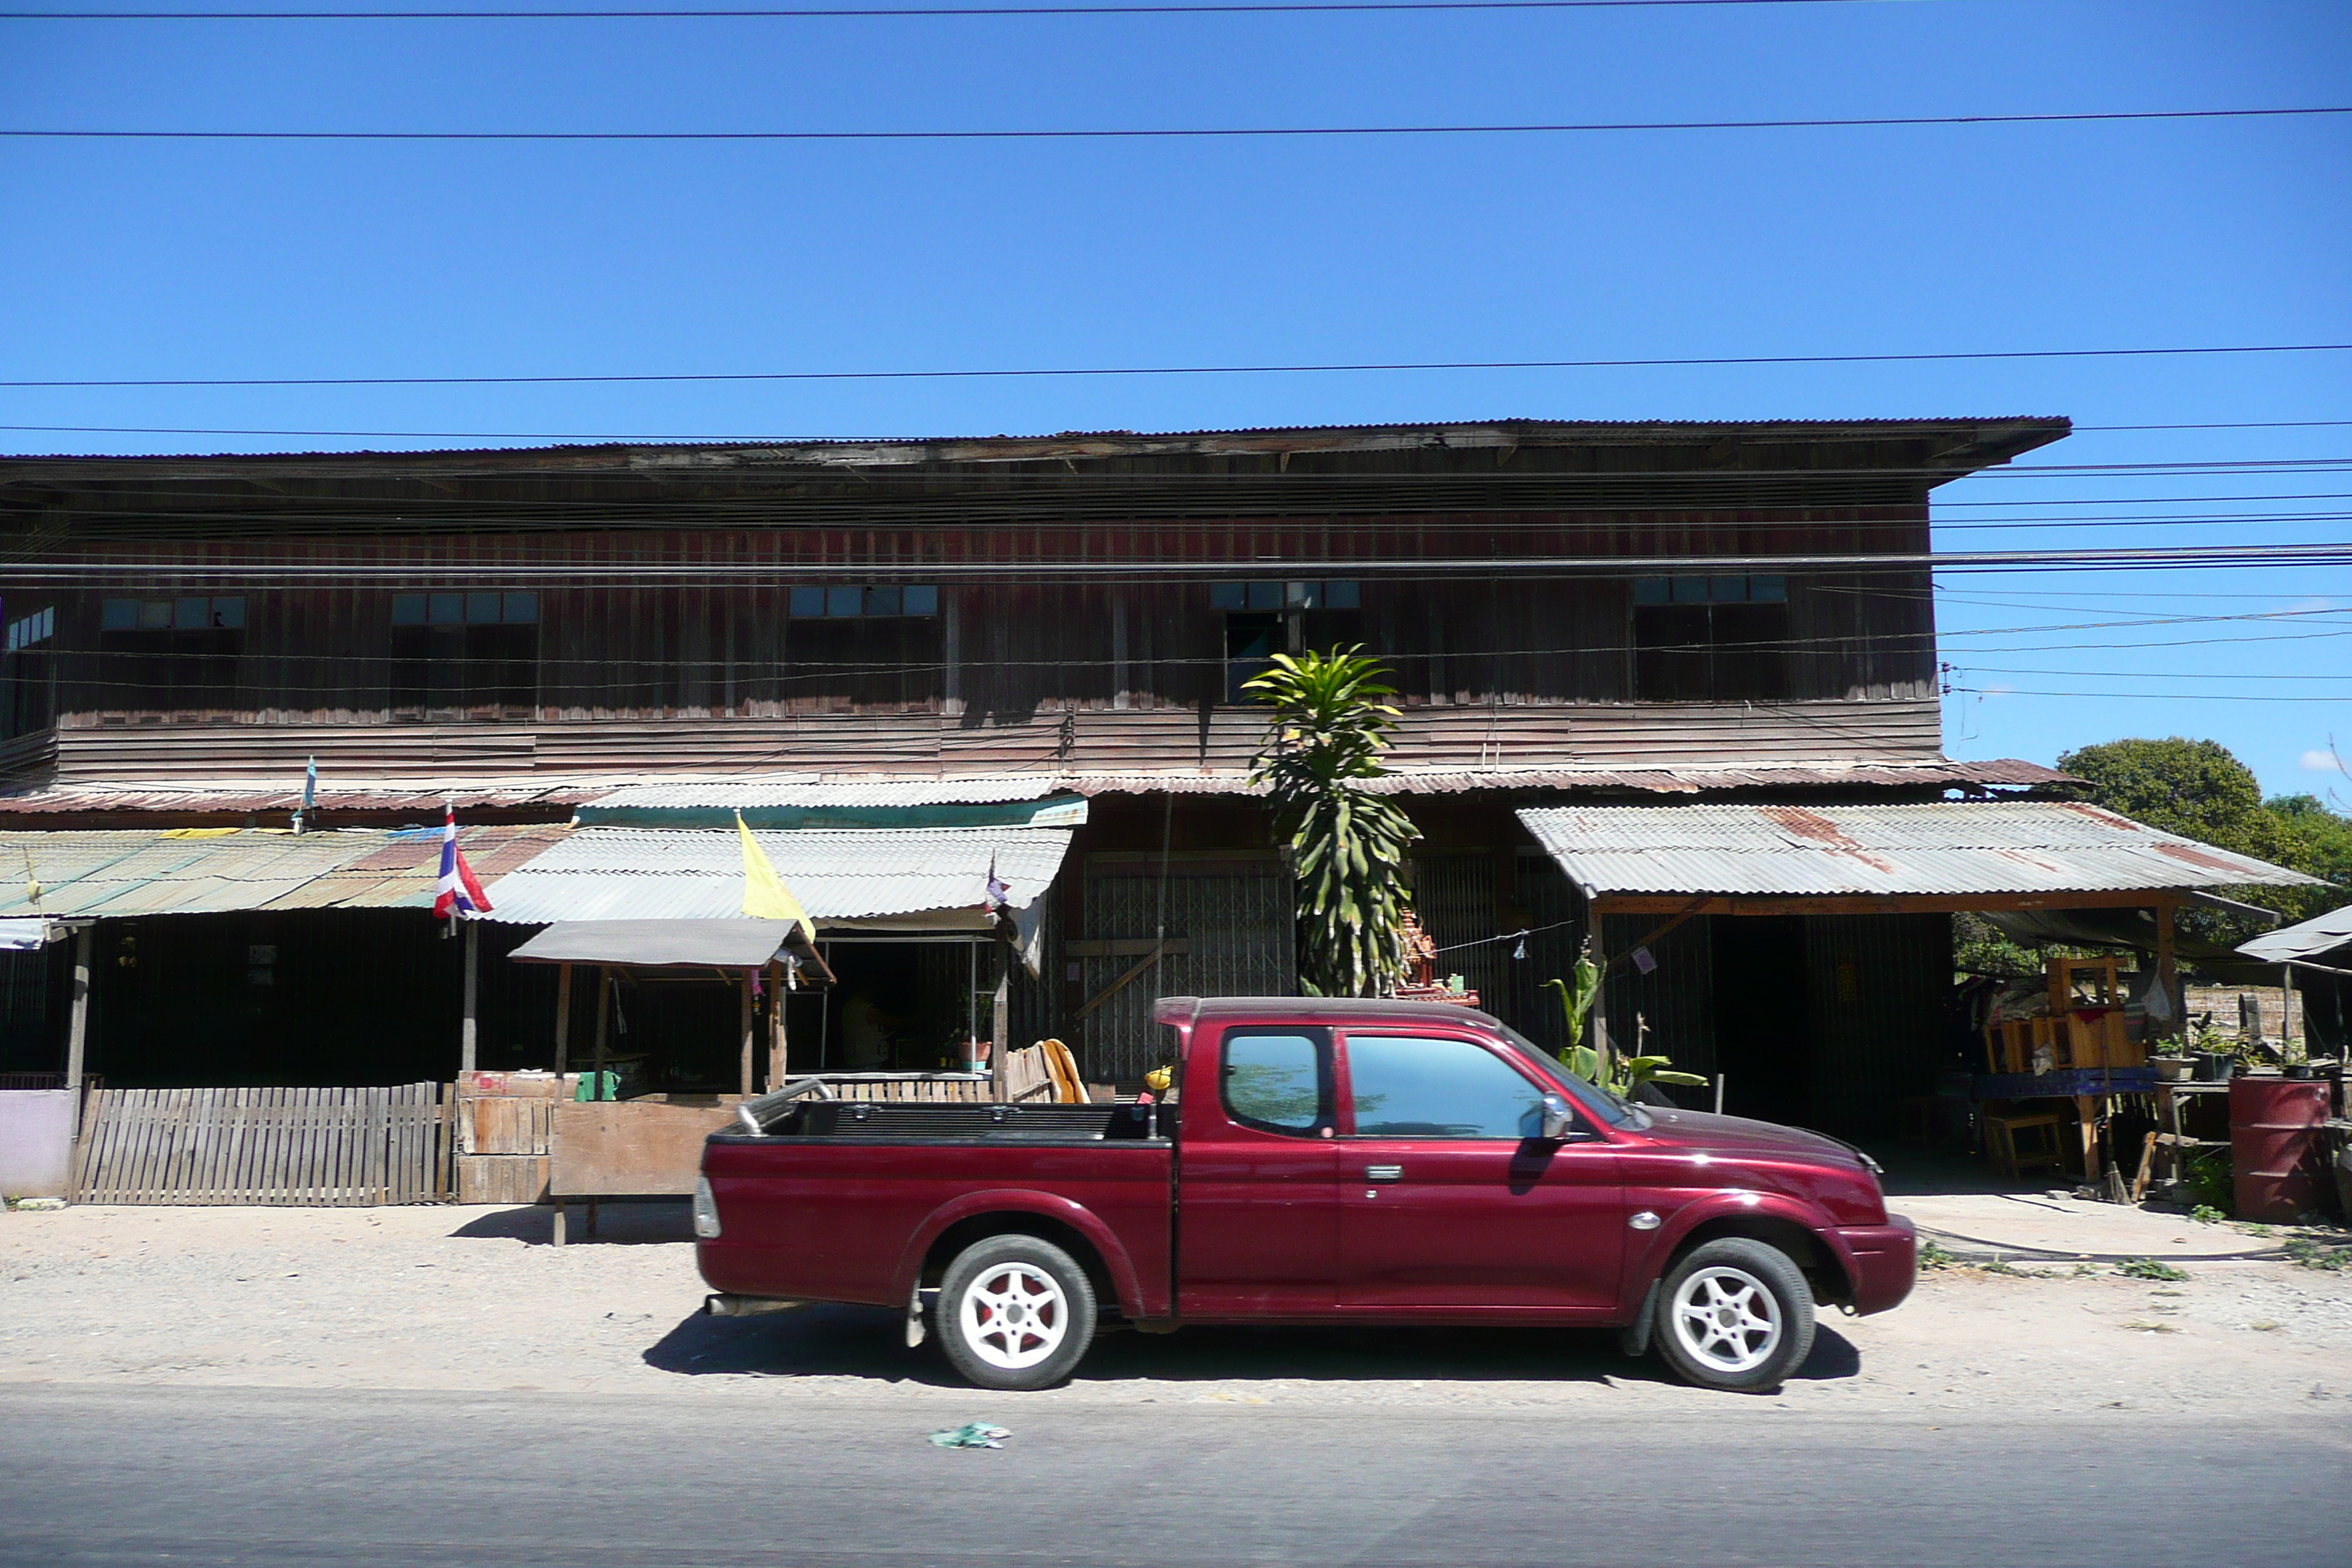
(1725, 1318)
(1014, 1315)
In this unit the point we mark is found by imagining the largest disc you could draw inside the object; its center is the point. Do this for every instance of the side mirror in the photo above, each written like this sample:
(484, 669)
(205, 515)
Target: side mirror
(1559, 1119)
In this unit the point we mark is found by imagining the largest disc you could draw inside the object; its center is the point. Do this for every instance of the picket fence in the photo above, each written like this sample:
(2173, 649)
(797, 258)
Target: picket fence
(296, 1147)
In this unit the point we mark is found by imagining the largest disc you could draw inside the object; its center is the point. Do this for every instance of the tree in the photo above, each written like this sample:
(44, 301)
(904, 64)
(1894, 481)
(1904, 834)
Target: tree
(1331, 721)
(2194, 789)
(2198, 790)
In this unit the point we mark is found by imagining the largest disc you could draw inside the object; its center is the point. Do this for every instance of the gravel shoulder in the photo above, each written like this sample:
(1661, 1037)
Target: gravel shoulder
(473, 1298)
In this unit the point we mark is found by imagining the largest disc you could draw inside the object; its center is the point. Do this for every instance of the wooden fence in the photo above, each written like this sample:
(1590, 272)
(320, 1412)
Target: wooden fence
(304, 1147)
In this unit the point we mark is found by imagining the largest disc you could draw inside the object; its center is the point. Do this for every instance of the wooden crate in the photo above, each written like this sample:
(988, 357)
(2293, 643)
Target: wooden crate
(502, 1178)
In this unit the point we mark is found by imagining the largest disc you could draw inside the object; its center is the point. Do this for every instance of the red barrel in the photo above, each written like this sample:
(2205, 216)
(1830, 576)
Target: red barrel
(2278, 1150)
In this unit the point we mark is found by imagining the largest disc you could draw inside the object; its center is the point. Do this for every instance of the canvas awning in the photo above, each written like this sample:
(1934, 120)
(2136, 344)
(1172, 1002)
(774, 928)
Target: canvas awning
(1933, 855)
(2324, 940)
(716, 944)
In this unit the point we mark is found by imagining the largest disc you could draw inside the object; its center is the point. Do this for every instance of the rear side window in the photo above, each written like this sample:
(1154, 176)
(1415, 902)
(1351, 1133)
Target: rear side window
(1279, 1081)
(1405, 1086)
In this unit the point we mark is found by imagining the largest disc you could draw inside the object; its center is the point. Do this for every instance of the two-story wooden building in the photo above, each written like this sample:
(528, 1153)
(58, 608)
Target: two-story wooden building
(1642, 612)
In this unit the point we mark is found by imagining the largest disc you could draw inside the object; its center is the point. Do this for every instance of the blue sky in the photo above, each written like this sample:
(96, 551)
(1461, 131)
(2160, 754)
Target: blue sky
(129, 259)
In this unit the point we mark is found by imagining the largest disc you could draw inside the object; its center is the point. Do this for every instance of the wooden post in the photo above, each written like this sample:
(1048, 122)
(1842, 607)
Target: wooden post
(1000, 1011)
(775, 1025)
(563, 1020)
(603, 1022)
(745, 1014)
(2167, 974)
(470, 1036)
(78, 1034)
(2086, 1112)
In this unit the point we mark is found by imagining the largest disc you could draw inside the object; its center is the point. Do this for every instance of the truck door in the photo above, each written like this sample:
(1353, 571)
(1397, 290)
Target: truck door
(1448, 1199)
(1258, 1212)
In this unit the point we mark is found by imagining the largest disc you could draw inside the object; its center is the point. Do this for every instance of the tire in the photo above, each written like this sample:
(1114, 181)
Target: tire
(1015, 1312)
(1734, 1314)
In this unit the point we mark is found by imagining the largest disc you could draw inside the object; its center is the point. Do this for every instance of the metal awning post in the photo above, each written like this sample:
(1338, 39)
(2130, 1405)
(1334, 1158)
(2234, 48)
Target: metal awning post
(470, 1033)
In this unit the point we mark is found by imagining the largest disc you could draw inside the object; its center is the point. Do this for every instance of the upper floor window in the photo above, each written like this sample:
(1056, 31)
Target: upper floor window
(478, 649)
(171, 653)
(1263, 619)
(864, 644)
(846, 600)
(33, 628)
(1717, 638)
(28, 687)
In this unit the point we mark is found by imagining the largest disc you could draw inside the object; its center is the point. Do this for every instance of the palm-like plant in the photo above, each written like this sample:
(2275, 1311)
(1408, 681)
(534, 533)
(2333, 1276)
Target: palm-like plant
(1331, 721)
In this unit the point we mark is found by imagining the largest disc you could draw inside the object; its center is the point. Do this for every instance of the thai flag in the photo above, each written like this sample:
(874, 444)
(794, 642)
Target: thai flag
(460, 893)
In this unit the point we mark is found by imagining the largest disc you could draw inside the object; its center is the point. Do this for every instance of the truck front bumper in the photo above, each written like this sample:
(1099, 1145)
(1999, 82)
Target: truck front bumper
(1885, 1262)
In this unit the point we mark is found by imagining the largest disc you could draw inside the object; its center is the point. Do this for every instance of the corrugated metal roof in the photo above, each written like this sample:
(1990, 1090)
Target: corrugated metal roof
(813, 789)
(838, 874)
(119, 873)
(423, 796)
(1946, 846)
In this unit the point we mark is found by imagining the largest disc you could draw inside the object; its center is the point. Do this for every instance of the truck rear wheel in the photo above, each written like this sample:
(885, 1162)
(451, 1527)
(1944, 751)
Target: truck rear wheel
(1016, 1311)
(1734, 1314)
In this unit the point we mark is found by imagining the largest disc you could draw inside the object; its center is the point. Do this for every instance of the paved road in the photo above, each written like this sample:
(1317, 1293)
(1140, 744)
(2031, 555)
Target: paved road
(193, 1476)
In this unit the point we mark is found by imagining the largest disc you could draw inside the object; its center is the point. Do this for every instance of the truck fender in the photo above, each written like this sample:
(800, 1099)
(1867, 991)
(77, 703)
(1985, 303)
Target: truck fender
(1645, 1268)
(1124, 1281)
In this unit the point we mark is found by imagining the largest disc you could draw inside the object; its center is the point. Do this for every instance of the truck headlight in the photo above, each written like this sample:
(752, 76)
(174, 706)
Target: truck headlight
(706, 1210)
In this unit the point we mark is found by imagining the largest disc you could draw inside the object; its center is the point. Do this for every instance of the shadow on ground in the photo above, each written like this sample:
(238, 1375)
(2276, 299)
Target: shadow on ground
(870, 1342)
(622, 1222)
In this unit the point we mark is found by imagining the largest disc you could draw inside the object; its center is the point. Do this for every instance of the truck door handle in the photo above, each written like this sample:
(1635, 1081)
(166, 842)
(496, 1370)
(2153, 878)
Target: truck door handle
(1384, 1172)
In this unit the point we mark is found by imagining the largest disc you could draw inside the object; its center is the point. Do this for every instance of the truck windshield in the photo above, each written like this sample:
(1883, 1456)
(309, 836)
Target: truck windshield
(1610, 1108)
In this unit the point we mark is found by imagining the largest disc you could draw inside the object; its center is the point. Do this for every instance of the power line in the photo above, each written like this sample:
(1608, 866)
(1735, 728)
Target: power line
(895, 11)
(2155, 696)
(1366, 367)
(576, 436)
(1518, 567)
(1128, 133)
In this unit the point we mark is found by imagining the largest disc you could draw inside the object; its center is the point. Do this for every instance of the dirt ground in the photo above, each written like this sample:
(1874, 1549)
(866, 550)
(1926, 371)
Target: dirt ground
(474, 1299)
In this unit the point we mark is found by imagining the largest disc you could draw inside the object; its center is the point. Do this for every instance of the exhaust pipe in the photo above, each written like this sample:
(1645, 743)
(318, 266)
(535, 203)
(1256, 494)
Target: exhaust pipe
(744, 1306)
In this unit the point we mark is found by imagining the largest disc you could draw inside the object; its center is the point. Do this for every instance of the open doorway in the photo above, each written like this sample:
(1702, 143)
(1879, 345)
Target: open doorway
(1761, 1017)
(899, 1005)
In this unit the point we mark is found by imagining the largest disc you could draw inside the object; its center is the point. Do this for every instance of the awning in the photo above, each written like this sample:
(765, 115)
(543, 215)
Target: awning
(983, 801)
(909, 881)
(722, 944)
(2313, 941)
(1944, 854)
(118, 873)
(23, 936)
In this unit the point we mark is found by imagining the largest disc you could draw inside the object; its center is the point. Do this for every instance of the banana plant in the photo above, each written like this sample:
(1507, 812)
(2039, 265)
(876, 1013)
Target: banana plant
(1621, 1075)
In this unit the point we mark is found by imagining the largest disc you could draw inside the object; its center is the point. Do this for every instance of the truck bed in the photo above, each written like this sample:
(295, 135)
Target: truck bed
(956, 1122)
(853, 1200)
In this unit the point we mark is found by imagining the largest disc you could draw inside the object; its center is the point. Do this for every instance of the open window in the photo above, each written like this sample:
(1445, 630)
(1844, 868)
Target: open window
(171, 653)
(477, 649)
(1263, 619)
(1711, 639)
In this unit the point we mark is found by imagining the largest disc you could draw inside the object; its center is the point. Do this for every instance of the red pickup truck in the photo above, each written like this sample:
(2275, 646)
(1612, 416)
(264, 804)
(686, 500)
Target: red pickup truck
(1315, 1161)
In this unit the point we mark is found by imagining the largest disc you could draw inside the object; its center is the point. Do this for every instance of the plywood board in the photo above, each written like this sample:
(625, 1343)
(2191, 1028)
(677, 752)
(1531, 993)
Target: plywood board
(632, 1148)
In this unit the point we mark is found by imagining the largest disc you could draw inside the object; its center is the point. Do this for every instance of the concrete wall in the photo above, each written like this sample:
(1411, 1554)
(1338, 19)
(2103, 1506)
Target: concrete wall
(36, 1142)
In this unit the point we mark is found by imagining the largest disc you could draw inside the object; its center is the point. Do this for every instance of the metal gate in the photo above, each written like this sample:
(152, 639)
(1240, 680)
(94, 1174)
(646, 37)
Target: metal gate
(303, 1147)
(1238, 937)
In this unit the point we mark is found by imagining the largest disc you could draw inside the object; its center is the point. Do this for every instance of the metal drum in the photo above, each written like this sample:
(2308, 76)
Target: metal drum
(2277, 1146)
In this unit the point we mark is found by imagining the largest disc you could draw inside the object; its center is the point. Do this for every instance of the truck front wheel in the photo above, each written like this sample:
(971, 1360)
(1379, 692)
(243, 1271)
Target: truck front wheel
(1015, 1313)
(1734, 1314)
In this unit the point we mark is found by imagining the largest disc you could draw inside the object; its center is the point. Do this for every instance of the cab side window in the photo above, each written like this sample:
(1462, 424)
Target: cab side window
(1406, 1086)
(1279, 1081)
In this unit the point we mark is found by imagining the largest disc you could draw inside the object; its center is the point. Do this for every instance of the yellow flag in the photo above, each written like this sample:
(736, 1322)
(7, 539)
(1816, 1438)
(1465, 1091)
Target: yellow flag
(765, 897)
